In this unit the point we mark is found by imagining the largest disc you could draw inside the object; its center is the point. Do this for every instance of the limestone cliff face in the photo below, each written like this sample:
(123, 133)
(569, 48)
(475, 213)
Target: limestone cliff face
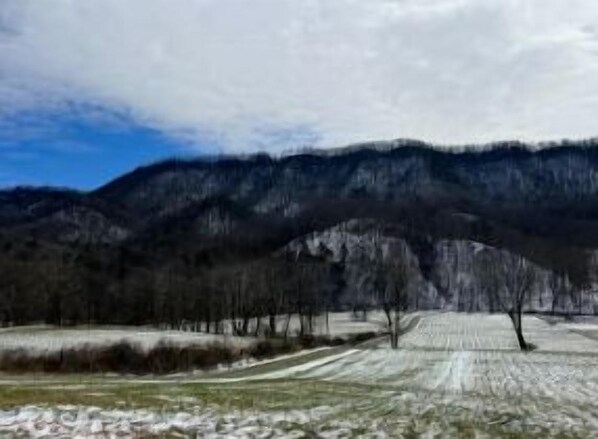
(459, 276)
(455, 280)
(357, 248)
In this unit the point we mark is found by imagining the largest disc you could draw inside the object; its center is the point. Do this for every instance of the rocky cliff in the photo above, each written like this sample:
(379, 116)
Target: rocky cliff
(454, 281)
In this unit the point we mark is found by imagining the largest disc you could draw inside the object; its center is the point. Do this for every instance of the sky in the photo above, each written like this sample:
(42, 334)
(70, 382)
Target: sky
(90, 89)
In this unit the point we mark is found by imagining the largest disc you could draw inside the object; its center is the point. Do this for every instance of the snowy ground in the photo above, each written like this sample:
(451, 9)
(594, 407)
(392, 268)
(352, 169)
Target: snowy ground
(583, 325)
(86, 422)
(52, 339)
(338, 324)
(342, 323)
(455, 375)
(48, 338)
(469, 367)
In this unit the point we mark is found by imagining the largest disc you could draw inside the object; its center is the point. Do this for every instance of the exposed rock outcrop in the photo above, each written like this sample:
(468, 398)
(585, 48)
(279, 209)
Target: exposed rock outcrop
(456, 279)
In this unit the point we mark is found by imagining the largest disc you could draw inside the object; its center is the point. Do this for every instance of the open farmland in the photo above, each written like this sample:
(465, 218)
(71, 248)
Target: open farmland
(43, 338)
(339, 324)
(49, 339)
(454, 375)
(583, 325)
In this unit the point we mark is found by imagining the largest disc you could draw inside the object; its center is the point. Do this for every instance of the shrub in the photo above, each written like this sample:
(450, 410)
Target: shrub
(165, 357)
(122, 357)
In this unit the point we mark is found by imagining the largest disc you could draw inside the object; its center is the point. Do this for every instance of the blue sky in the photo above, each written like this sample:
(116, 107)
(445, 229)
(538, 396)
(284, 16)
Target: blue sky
(80, 152)
(83, 98)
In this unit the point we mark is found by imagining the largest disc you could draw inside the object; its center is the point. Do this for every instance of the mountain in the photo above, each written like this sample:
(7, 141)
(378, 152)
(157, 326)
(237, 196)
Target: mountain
(178, 224)
(64, 215)
(508, 173)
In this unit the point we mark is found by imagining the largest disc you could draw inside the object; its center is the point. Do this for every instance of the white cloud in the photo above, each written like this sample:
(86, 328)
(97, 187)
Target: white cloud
(340, 71)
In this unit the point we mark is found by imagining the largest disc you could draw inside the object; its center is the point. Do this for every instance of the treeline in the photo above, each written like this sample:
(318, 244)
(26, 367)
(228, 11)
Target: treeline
(88, 285)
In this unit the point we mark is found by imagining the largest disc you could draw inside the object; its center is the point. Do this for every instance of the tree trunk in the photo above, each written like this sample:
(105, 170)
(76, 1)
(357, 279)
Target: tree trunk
(272, 325)
(258, 326)
(301, 324)
(388, 316)
(245, 327)
(286, 326)
(516, 319)
(395, 330)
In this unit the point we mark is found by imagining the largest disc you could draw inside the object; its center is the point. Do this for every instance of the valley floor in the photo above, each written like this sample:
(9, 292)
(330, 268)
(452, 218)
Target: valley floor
(454, 375)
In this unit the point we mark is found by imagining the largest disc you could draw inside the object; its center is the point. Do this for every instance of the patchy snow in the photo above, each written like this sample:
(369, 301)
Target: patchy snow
(472, 361)
(344, 323)
(47, 339)
(85, 422)
(454, 375)
(340, 324)
(252, 362)
(581, 326)
(296, 370)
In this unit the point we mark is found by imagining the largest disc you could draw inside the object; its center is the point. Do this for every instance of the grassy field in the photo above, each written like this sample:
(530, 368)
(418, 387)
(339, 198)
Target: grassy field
(455, 375)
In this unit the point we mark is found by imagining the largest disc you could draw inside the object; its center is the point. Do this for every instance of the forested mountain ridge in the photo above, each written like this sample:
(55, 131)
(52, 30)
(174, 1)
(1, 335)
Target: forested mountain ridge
(507, 173)
(146, 244)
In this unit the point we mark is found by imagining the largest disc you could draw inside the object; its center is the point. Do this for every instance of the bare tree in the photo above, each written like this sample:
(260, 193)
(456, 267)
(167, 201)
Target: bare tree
(391, 279)
(508, 280)
(520, 277)
(398, 285)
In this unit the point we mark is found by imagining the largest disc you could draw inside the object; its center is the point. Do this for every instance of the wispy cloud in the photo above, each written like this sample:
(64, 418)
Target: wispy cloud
(274, 74)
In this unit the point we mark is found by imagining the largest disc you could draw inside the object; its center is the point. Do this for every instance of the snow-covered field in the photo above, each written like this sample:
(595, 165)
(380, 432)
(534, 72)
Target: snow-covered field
(47, 338)
(94, 422)
(584, 325)
(468, 366)
(52, 339)
(338, 324)
(342, 323)
(454, 375)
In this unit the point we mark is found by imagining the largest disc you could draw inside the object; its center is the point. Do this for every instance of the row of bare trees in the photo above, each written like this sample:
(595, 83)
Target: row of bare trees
(506, 279)
(80, 287)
